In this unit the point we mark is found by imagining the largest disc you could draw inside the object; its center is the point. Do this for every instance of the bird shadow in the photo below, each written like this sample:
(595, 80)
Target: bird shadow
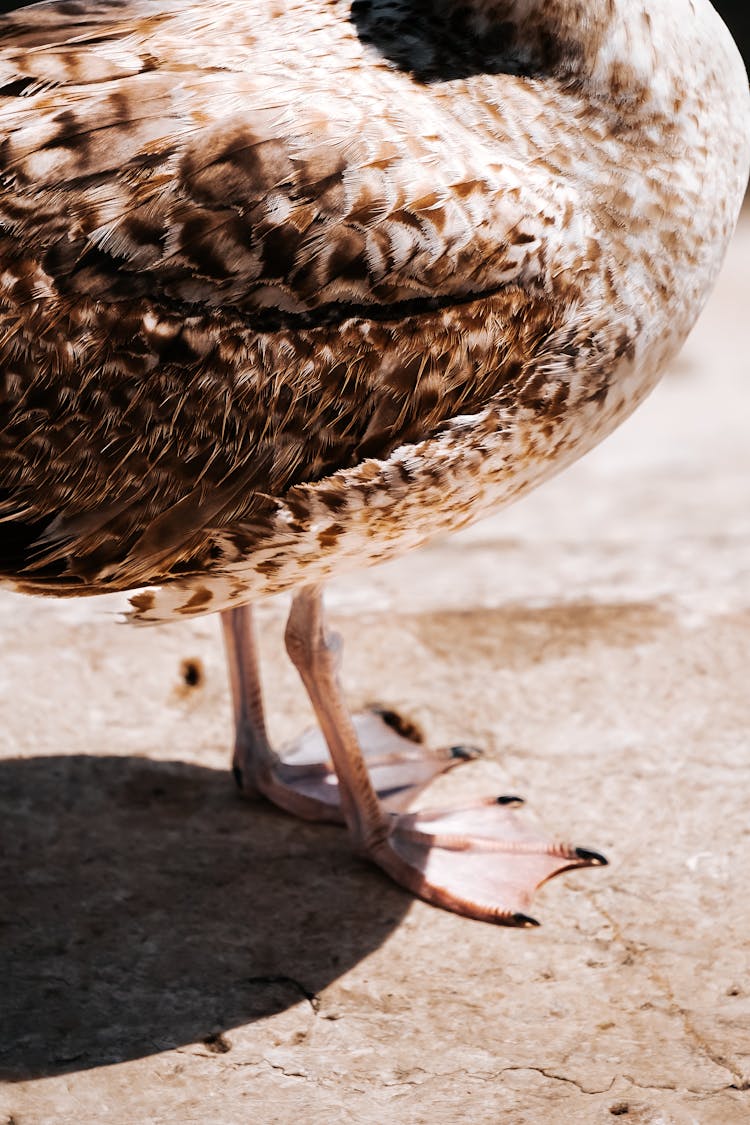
(146, 907)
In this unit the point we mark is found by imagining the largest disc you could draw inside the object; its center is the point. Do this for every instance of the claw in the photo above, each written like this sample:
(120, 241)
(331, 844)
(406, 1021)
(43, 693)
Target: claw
(465, 753)
(595, 859)
(523, 921)
(509, 800)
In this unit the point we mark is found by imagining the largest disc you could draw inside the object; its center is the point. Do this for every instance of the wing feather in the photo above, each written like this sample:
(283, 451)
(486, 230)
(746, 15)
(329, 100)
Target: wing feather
(225, 274)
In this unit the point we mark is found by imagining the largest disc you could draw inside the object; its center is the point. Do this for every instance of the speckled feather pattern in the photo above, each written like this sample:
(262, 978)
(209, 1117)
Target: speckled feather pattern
(290, 287)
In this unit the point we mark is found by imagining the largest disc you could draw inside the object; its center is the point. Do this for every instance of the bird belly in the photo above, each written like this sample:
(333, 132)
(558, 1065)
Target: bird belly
(379, 510)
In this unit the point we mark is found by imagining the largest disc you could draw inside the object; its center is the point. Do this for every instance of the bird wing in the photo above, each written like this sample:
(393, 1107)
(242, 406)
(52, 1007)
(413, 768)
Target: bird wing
(146, 157)
(225, 272)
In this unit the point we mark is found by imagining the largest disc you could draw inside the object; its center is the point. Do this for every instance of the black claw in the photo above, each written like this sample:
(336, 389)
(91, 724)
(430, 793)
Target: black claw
(594, 858)
(523, 920)
(465, 753)
(509, 800)
(237, 775)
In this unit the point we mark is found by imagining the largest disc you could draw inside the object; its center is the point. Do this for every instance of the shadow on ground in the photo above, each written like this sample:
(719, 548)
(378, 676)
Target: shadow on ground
(147, 907)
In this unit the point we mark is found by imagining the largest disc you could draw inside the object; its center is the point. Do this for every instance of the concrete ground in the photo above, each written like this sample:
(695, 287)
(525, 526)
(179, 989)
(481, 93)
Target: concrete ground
(174, 955)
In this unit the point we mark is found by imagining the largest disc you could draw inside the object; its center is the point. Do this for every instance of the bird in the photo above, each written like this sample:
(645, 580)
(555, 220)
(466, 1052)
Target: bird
(291, 287)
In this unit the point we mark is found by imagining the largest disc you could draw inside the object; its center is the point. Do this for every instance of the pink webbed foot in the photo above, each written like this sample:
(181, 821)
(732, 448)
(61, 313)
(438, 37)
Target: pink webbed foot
(484, 860)
(302, 780)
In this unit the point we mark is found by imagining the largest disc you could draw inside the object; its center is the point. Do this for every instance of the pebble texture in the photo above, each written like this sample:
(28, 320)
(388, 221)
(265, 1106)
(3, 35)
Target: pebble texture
(171, 954)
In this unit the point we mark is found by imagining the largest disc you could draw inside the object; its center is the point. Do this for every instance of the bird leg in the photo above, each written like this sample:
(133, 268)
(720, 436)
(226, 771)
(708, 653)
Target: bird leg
(303, 781)
(481, 860)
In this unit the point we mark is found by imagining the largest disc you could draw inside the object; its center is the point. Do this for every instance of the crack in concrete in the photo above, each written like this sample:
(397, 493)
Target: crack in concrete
(699, 1093)
(253, 1064)
(281, 978)
(288, 1073)
(559, 1078)
(493, 1076)
(669, 1087)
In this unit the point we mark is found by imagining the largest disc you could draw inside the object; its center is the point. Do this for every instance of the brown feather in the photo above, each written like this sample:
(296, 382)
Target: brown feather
(251, 249)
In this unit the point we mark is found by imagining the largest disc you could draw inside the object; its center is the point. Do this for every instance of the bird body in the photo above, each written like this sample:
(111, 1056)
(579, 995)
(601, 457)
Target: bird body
(290, 287)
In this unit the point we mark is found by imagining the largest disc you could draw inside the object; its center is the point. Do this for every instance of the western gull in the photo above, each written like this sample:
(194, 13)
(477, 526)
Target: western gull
(291, 286)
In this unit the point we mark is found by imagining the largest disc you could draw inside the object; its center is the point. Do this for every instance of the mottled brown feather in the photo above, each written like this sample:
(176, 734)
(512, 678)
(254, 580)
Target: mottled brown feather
(250, 248)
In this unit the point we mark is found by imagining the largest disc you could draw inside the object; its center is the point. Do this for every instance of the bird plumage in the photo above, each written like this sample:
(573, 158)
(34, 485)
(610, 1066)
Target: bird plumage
(289, 287)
